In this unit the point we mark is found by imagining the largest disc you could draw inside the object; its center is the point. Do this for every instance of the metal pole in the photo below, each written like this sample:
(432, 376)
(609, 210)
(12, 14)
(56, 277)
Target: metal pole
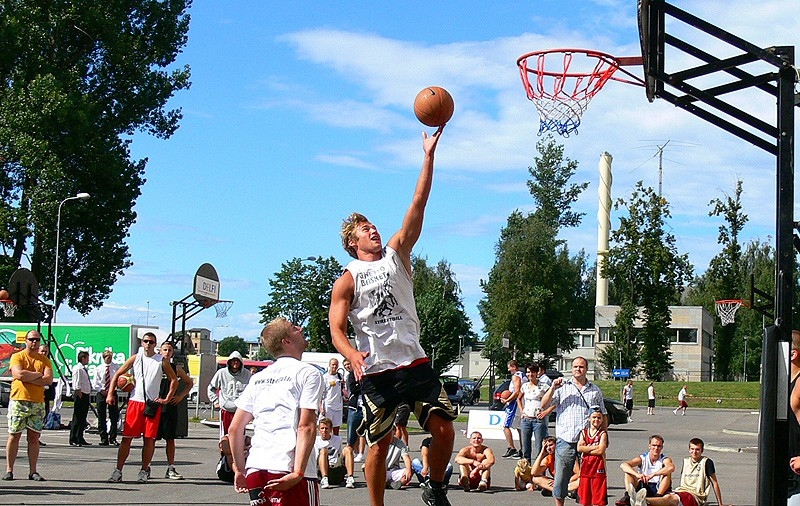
(80, 196)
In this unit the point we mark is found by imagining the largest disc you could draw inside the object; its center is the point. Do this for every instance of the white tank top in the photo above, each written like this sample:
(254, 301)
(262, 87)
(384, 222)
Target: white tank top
(383, 313)
(649, 468)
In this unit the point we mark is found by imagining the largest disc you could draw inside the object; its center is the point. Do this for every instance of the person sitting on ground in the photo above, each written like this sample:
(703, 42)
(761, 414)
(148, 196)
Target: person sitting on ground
(544, 470)
(398, 465)
(333, 460)
(225, 464)
(651, 470)
(475, 462)
(422, 468)
(698, 476)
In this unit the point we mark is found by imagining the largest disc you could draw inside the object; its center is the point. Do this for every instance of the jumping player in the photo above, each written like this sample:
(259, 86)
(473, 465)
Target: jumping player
(376, 290)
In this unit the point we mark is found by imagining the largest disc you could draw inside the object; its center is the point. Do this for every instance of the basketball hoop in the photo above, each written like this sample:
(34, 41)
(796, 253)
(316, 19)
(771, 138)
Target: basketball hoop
(222, 307)
(9, 308)
(726, 309)
(562, 90)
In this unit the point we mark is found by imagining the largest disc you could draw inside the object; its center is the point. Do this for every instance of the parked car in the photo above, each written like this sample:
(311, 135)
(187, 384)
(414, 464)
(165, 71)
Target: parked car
(455, 392)
(615, 409)
(472, 395)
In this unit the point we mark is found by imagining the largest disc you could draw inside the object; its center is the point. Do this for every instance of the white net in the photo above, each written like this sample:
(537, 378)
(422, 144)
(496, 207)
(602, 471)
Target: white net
(9, 308)
(726, 309)
(222, 307)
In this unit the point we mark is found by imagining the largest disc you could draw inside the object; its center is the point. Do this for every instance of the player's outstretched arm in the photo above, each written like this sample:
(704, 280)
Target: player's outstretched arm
(403, 241)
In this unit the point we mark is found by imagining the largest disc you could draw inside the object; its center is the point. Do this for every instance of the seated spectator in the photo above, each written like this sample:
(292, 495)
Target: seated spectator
(333, 460)
(475, 462)
(651, 470)
(421, 468)
(543, 470)
(523, 475)
(398, 465)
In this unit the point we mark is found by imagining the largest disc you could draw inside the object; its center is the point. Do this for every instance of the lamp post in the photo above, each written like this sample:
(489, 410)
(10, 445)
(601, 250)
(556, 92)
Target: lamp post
(79, 196)
(147, 322)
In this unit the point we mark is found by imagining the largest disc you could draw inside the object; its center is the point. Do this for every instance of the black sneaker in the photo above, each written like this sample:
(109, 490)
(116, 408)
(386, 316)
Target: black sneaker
(511, 453)
(433, 496)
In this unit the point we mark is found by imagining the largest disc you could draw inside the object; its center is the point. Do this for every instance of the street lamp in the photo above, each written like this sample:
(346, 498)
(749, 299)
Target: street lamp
(80, 196)
(147, 322)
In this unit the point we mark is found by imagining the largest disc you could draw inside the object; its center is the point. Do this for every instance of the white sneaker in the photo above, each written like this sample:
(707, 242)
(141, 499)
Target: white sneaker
(323, 483)
(351, 482)
(116, 476)
(359, 457)
(142, 476)
(396, 484)
(172, 474)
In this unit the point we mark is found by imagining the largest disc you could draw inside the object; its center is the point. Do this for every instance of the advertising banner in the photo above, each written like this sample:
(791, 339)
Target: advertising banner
(69, 340)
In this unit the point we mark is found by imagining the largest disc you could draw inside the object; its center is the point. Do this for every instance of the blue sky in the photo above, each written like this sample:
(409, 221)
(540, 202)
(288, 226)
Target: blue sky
(301, 112)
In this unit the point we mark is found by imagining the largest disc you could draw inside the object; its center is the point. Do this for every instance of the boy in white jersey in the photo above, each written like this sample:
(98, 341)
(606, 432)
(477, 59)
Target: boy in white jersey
(282, 402)
(651, 470)
(376, 291)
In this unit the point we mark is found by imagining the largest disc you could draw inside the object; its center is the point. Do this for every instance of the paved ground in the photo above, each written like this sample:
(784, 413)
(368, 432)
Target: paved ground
(77, 475)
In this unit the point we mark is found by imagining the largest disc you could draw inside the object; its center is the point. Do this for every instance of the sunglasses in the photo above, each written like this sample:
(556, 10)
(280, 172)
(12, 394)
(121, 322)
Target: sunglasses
(148, 341)
(34, 340)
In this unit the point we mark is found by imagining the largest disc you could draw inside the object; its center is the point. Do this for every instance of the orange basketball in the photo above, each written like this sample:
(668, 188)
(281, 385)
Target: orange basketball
(434, 106)
(126, 382)
(4, 295)
(505, 394)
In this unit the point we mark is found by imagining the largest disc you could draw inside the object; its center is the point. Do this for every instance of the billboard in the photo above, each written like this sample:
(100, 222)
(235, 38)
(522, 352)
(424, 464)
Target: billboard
(70, 340)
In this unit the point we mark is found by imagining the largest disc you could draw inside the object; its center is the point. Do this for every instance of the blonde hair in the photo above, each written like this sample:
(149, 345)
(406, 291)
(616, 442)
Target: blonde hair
(273, 335)
(348, 232)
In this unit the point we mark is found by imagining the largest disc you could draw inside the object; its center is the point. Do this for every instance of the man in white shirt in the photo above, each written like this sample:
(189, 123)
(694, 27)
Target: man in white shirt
(332, 404)
(102, 384)
(333, 460)
(282, 402)
(82, 389)
(147, 367)
(574, 401)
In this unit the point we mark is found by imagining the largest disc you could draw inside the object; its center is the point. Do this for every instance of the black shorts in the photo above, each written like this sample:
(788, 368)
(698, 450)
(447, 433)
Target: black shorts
(629, 404)
(168, 425)
(651, 403)
(402, 414)
(418, 386)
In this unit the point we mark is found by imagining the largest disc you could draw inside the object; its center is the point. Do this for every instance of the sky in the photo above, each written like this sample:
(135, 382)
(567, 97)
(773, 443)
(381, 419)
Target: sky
(300, 113)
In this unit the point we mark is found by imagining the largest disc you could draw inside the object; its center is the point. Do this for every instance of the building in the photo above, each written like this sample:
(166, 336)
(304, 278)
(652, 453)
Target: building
(201, 342)
(692, 336)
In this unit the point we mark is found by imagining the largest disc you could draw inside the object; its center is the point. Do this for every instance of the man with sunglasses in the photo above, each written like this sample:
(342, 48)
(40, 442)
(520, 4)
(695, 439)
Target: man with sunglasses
(147, 367)
(31, 372)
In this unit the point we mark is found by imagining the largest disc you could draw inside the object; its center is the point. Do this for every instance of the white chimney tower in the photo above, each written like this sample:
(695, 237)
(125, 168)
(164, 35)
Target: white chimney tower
(603, 226)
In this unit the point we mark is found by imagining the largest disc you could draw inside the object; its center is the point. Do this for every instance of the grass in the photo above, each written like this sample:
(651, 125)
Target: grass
(736, 395)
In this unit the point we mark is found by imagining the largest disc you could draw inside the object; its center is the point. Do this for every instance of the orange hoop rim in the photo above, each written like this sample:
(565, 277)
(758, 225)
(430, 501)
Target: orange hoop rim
(733, 301)
(615, 62)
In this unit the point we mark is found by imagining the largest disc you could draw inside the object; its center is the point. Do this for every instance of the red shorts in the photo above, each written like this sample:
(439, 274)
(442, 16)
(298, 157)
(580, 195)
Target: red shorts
(136, 424)
(683, 404)
(225, 419)
(593, 490)
(687, 499)
(305, 493)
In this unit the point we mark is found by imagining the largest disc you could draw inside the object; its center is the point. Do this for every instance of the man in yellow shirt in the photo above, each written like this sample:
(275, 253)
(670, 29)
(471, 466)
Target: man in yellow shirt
(31, 372)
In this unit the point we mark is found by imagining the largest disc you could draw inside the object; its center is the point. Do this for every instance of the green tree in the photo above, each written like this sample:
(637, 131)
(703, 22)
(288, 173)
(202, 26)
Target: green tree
(445, 327)
(78, 79)
(535, 291)
(646, 271)
(301, 293)
(724, 275)
(231, 344)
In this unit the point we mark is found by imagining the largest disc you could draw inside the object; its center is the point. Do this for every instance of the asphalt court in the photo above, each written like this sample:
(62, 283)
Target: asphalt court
(78, 475)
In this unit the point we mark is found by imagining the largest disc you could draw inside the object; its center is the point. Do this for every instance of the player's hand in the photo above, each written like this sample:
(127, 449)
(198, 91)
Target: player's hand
(794, 463)
(240, 482)
(429, 143)
(111, 399)
(357, 361)
(285, 482)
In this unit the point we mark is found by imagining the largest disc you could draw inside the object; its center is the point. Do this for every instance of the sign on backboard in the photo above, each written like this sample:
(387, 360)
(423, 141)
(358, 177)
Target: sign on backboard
(206, 284)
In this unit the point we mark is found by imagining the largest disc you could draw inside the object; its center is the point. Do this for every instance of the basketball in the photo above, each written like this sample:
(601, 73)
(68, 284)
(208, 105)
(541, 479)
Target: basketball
(126, 382)
(506, 394)
(434, 106)
(4, 295)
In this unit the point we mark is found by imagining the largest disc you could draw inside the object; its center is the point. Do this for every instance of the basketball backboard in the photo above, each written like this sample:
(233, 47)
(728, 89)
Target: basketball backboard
(23, 288)
(206, 285)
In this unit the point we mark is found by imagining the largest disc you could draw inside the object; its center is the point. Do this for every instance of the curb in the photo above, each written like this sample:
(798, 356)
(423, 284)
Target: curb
(739, 432)
(731, 449)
